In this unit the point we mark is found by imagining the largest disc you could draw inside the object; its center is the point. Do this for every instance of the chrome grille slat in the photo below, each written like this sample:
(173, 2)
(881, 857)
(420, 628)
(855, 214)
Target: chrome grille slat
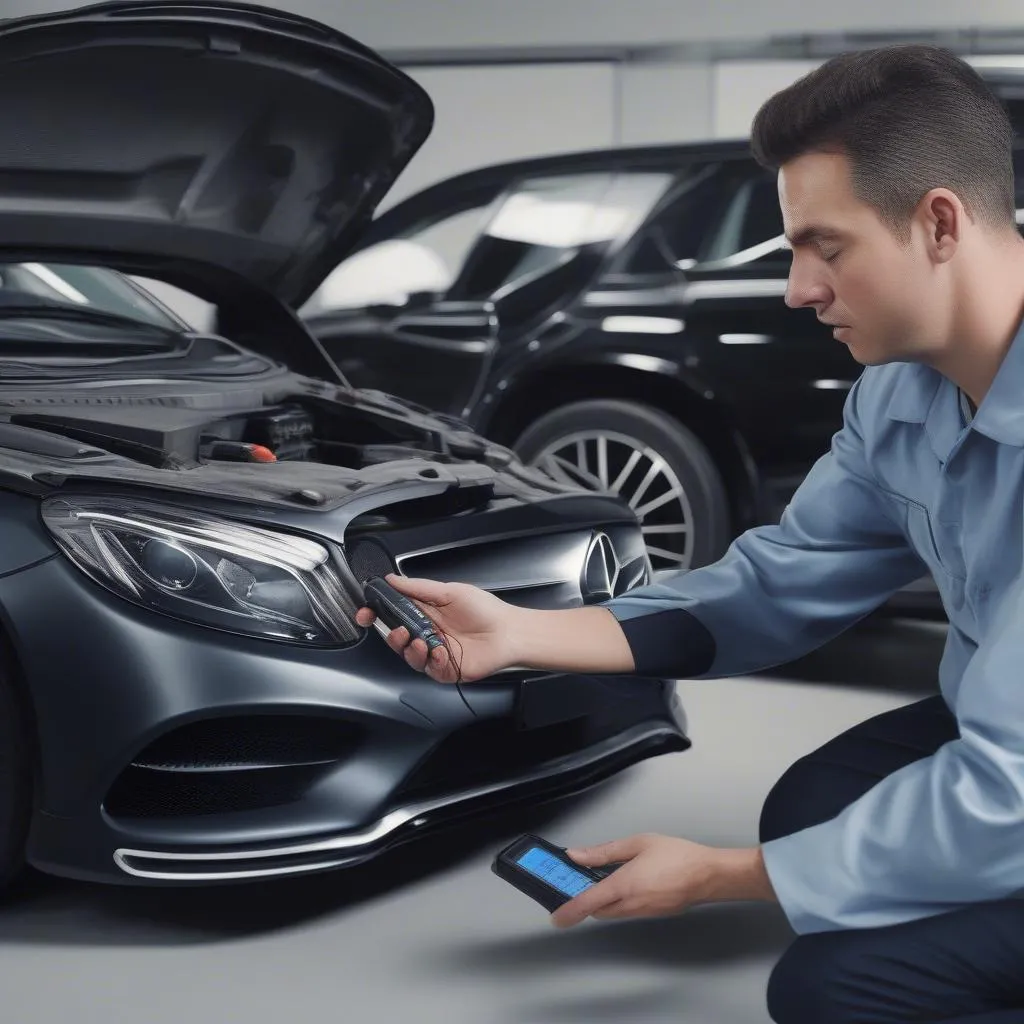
(546, 570)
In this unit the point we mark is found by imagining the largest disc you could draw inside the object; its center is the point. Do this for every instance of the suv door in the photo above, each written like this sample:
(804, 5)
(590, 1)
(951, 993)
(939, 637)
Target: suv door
(385, 316)
(493, 270)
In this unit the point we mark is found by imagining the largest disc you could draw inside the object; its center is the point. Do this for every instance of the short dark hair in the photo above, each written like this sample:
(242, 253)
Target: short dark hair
(909, 118)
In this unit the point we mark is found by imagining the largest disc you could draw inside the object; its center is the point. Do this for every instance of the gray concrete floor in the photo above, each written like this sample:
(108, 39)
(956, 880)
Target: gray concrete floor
(430, 935)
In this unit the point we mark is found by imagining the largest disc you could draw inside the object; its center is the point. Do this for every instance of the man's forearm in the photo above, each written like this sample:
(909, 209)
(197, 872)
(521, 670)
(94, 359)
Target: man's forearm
(741, 875)
(571, 640)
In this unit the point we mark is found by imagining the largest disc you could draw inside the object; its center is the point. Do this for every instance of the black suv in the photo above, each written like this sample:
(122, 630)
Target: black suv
(616, 317)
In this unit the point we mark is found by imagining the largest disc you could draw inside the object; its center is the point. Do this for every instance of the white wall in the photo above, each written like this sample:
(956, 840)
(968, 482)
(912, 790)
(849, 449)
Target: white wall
(430, 25)
(443, 24)
(741, 86)
(489, 114)
(666, 102)
(486, 114)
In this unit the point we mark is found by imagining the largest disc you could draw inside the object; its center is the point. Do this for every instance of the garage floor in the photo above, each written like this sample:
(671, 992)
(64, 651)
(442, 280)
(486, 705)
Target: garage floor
(431, 935)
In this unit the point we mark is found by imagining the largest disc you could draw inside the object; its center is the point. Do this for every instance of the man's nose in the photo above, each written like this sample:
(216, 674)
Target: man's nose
(802, 290)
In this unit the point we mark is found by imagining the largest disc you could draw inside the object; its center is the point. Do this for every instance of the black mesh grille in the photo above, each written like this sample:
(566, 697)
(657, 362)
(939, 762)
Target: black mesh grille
(367, 559)
(145, 793)
(222, 765)
(252, 741)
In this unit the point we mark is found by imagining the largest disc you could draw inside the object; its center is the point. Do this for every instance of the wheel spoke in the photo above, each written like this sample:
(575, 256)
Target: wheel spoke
(602, 460)
(669, 556)
(573, 474)
(645, 485)
(658, 502)
(581, 457)
(670, 528)
(554, 466)
(631, 462)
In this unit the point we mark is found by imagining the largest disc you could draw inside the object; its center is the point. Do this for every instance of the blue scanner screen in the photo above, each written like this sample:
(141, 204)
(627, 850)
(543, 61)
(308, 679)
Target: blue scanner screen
(555, 872)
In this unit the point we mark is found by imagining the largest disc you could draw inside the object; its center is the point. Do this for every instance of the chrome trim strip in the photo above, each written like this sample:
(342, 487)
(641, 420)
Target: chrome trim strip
(742, 289)
(350, 841)
(692, 291)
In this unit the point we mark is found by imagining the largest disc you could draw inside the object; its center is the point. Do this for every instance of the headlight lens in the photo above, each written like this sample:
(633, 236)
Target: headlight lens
(211, 571)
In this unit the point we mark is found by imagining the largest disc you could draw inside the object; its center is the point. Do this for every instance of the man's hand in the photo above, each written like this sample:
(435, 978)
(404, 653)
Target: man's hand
(479, 627)
(662, 875)
(485, 634)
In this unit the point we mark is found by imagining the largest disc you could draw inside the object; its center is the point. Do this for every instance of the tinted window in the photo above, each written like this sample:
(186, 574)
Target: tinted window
(543, 222)
(673, 238)
(751, 227)
(427, 258)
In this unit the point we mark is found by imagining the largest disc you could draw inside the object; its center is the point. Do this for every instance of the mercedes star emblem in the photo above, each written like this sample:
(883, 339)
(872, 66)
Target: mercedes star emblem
(600, 569)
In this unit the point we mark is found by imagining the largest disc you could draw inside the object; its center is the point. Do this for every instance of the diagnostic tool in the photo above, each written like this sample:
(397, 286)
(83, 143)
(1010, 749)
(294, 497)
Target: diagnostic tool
(395, 609)
(545, 872)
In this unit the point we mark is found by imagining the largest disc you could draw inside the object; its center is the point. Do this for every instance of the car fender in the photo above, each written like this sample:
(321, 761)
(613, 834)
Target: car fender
(24, 541)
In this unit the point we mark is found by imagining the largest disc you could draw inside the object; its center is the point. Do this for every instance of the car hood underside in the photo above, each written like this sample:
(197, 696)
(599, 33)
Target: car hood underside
(221, 145)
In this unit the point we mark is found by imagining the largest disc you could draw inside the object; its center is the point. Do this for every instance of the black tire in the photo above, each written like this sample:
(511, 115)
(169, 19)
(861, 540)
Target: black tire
(16, 775)
(677, 446)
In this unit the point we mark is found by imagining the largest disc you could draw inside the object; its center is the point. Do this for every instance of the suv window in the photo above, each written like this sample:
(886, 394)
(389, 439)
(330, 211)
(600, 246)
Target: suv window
(674, 236)
(427, 258)
(542, 222)
(751, 226)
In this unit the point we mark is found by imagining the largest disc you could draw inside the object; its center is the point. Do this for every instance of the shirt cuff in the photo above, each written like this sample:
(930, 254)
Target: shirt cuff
(670, 643)
(786, 860)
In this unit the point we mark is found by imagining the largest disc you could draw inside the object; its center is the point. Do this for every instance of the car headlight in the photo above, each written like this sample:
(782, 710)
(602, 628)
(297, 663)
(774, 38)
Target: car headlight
(211, 571)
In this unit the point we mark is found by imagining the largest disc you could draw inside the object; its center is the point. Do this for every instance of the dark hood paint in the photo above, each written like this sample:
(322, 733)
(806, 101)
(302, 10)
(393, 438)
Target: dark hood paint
(221, 146)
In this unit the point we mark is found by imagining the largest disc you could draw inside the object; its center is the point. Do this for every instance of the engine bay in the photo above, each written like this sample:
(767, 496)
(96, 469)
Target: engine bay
(303, 429)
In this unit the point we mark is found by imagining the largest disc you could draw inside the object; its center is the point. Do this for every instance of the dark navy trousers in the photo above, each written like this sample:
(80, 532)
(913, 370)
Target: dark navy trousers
(962, 967)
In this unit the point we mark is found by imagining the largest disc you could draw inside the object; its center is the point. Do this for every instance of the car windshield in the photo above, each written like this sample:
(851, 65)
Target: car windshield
(76, 290)
(65, 322)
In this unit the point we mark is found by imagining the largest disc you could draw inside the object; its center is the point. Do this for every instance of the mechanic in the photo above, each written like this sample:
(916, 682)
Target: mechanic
(896, 850)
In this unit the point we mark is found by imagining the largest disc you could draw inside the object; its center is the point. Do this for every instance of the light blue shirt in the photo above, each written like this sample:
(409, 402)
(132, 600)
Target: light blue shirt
(907, 480)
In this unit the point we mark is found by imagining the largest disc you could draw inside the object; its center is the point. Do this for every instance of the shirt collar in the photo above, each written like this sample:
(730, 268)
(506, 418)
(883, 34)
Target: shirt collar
(923, 395)
(914, 393)
(1001, 413)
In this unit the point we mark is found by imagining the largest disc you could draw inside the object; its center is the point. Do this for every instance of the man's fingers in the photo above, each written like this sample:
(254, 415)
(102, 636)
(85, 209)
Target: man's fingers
(365, 617)
(440, 666)
(597, 898)
(428, 591)
(416, 655)
(398, 640)
(607, 853)
(618, 909)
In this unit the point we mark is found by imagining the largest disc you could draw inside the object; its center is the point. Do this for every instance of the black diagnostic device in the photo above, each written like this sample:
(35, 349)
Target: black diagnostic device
(545, 871)
(395, 609)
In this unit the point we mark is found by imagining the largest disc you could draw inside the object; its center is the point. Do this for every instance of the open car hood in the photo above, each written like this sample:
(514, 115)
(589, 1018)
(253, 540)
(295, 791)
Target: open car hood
(216, 145)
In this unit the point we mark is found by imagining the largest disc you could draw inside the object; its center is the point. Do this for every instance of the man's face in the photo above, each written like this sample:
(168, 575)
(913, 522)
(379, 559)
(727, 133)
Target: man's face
(875, 290)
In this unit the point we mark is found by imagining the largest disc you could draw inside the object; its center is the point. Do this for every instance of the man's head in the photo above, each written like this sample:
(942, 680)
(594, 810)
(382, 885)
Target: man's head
(895, 179)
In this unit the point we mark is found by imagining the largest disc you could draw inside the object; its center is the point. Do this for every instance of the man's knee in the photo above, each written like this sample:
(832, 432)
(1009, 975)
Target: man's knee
(810, 984)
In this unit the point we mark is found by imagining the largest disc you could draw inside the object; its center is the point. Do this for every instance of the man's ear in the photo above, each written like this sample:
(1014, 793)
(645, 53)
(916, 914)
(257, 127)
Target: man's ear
(943, 218)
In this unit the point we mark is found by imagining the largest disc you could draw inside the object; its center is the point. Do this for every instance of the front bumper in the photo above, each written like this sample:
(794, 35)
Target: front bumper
(121, 681)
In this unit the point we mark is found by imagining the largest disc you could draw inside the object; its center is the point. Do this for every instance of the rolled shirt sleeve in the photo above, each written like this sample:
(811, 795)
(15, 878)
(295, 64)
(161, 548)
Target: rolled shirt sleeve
(782, 590)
